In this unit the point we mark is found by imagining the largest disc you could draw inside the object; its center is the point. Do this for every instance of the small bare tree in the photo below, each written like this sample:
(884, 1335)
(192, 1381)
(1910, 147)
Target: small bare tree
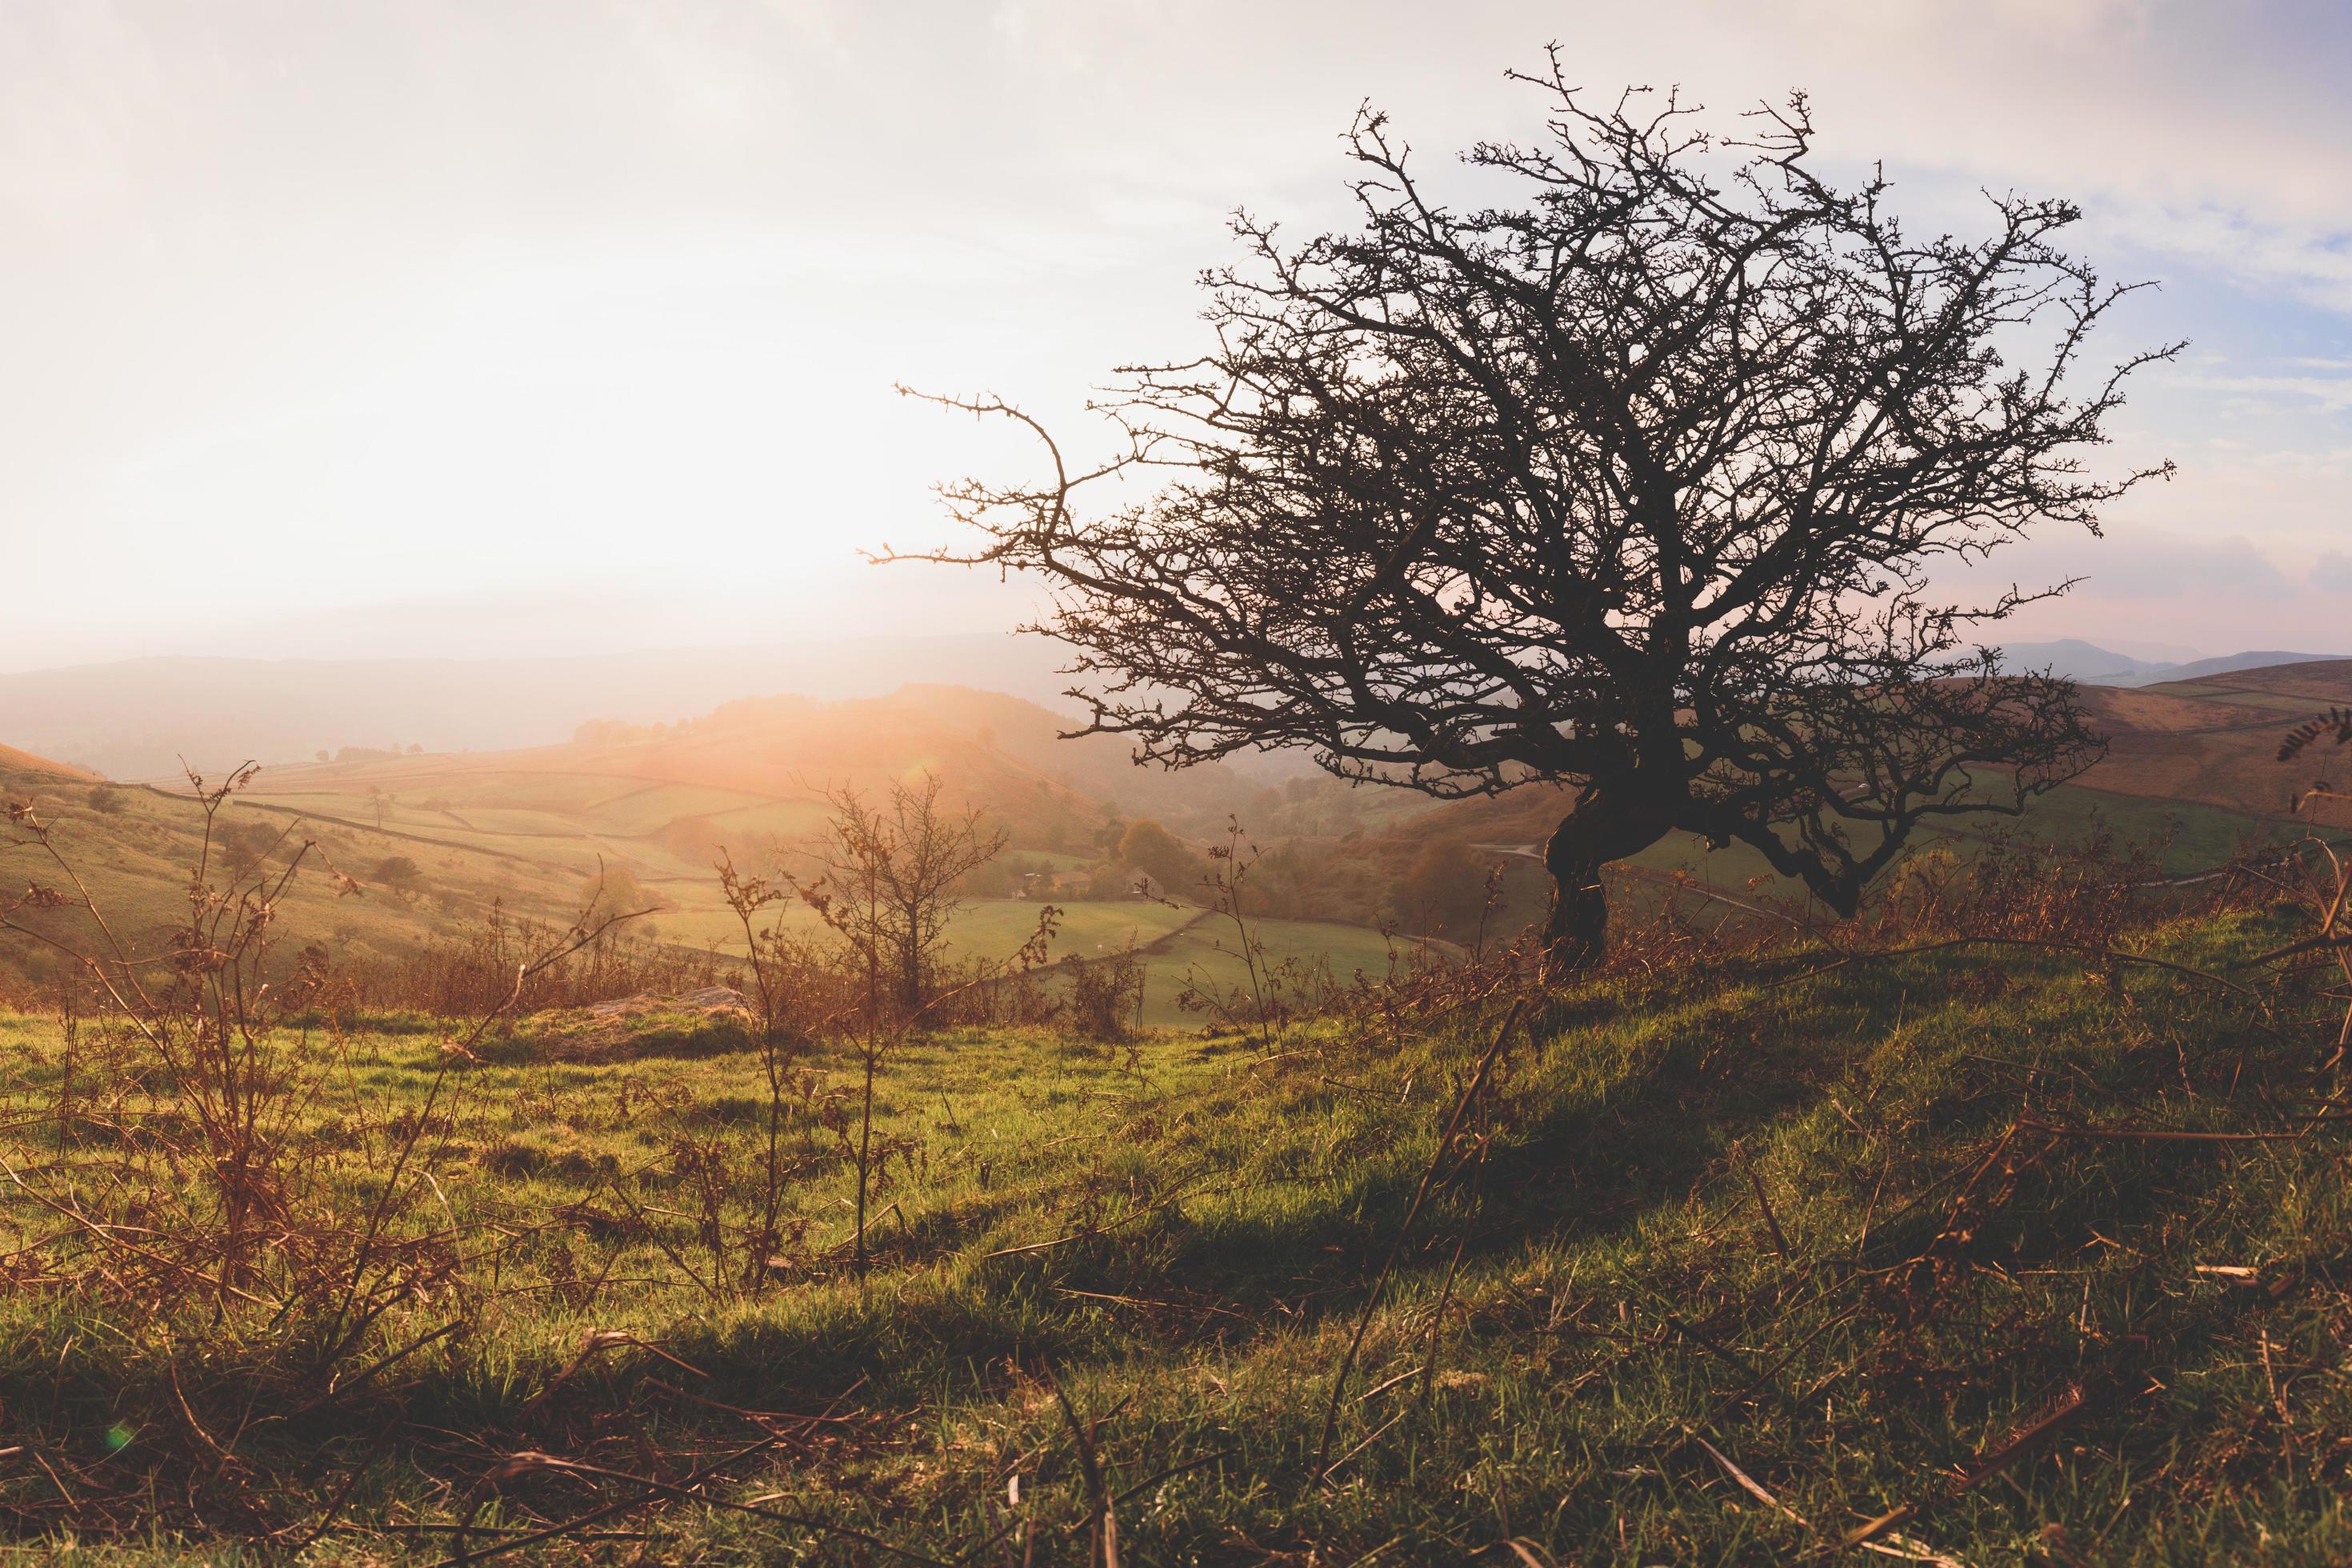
(887, 889)
(788, 977)
(888, 879)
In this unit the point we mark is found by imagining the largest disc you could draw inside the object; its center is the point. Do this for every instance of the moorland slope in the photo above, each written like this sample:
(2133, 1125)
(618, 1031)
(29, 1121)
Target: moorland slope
(16, 764)
(2191, 767)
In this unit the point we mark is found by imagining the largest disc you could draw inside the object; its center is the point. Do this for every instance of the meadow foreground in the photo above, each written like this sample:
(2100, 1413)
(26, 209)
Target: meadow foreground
(1977, 1254)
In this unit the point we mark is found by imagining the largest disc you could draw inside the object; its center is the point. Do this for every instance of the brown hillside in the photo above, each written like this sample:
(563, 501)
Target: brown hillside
(2216, 741)
(2322, 681)
(2213, 741)
(13, 760)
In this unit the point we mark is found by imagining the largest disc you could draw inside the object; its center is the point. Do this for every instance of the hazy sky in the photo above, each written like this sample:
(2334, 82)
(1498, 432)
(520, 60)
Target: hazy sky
(487, 326)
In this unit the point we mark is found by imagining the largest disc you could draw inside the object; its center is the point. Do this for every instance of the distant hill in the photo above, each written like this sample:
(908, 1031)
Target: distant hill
(751, 776)
(2094, 665)
(2213, 740)
(133, 847)
(137, 718)
(528, 830)
(2230, 663)
(2078, 660)
(1000, 753)
(2191, 764)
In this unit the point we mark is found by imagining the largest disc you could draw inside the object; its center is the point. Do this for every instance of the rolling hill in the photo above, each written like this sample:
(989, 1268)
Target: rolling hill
(665, 798)
(14, 765)
(137, 718)
(2094, 665)
(528, 830)
(2191, 766)
(133, 847)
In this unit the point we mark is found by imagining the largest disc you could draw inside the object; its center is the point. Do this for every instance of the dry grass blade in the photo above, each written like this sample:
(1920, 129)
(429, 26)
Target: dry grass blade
(1749, 1483)
(2066, 1411)
(1428, 1178)
(529, 1462)
(1772, 1220)
(1366, 1441)
(1101, 1516)
(1895, 1545)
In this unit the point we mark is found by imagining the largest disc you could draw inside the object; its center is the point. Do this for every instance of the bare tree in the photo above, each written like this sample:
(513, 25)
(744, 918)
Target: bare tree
(1637, 488)
(888, 882)
(888, 891)
(780, 965)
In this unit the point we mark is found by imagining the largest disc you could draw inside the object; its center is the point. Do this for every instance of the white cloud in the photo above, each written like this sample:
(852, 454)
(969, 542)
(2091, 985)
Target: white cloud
(2311, 262)
(2316, 393)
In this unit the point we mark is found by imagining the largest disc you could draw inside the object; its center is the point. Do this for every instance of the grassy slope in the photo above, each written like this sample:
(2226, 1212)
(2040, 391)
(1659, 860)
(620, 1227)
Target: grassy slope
(529, 843)
(1192, 1227)
(18, 764)
(135, 860)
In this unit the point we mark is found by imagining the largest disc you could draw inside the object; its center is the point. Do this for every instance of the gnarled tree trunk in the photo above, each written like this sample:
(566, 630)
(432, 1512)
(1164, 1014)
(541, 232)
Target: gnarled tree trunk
(1577, 933)
(1606, 826)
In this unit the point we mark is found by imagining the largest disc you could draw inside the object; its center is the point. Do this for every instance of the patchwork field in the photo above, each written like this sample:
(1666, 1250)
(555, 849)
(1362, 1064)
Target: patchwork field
(2191, 773)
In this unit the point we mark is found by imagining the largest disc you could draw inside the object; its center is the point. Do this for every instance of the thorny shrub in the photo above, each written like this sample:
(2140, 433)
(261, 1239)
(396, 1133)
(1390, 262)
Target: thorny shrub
(183, 1177)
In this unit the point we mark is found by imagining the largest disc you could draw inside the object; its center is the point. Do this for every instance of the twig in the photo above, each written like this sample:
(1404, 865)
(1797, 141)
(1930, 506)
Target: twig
(1437, 1319)
(1772, 1220)
(2068, 1409)
(686, 1492)
(2042, 944)
(2139, 1135)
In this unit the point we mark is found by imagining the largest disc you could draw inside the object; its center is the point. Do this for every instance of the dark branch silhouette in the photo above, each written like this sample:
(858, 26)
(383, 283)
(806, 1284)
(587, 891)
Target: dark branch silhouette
(1637, 487)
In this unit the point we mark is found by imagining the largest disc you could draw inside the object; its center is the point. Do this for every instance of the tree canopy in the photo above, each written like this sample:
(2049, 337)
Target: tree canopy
(1148, 848)
(1649, 484)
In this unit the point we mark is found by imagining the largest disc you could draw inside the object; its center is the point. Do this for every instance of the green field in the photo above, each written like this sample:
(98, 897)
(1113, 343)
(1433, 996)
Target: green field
(1298, 954)
(1701, 1220)
(983, 928)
